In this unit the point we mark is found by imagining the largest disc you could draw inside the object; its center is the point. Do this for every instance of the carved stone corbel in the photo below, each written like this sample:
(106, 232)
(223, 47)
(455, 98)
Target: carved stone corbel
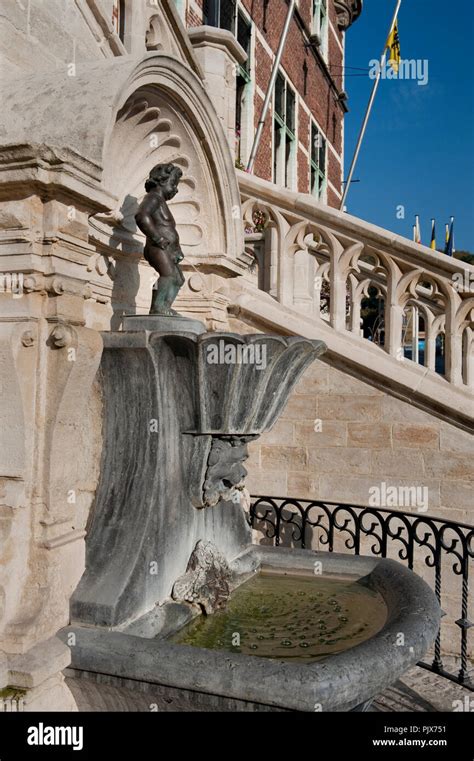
(347, 12)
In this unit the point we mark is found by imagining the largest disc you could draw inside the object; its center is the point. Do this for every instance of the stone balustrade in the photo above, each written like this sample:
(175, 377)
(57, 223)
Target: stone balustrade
(325, 265)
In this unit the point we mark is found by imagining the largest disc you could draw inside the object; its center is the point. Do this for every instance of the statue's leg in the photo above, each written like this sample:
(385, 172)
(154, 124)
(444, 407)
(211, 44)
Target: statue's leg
(170, 281)
(164, 295)
(166, 292)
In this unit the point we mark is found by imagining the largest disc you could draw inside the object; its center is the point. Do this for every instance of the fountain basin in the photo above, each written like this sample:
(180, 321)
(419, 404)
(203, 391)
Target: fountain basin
(345, 681)
(292, 617)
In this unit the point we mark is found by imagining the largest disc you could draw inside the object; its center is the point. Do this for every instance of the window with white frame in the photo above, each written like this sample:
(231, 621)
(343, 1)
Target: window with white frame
(284, 134)
(318, 163)
(320, 25)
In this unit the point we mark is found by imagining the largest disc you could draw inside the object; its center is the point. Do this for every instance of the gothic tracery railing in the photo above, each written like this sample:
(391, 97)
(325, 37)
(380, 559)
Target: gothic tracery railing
(328, 265)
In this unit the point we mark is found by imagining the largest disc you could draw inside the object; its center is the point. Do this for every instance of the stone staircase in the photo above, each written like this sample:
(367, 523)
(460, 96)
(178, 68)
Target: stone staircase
(314, 268)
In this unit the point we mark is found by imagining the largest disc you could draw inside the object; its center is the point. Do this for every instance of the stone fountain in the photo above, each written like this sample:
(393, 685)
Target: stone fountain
(169, 539)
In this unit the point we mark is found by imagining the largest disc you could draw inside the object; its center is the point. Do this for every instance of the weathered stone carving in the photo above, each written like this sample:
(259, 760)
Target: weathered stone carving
(225, 474)
(28, 338)
(61, 336)
(206, 581)
(162, 249)
(347, 12)
(319, 269)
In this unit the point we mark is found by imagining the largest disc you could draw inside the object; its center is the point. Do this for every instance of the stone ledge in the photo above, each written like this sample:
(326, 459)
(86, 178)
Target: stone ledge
(211, 36)
(30, 669)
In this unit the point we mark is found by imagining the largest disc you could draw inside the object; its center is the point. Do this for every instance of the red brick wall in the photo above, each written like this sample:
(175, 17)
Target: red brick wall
(314, 88)
(263, 69)
(303, 172)
(333, 199)
(304, 132)
(192, 19)
(333, 170)
(304, 7)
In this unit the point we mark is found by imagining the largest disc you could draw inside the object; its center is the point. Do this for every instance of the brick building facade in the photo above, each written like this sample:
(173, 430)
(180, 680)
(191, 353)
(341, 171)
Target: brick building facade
(303, 138)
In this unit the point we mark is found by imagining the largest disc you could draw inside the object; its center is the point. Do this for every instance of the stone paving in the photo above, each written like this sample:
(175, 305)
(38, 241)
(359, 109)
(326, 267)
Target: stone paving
(421, 691)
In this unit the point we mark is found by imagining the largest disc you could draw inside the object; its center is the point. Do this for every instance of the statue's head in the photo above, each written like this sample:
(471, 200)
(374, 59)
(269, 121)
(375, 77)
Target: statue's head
(165, 176)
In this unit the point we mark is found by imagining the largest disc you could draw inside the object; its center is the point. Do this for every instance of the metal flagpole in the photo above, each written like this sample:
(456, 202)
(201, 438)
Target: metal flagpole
(368, 111)
(417, 229)
(271, 85)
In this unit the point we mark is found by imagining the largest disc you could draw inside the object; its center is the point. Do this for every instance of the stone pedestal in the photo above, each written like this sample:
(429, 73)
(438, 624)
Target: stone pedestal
(162, 324)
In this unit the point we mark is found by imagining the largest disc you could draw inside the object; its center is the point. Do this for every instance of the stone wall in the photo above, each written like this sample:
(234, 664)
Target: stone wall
(42, 34)
(339, 437)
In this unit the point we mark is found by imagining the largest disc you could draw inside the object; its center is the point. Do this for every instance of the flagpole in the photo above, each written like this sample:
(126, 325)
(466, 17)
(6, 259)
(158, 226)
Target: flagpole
(417, 229)
(271, 85)
(368, 111)
(449, 247)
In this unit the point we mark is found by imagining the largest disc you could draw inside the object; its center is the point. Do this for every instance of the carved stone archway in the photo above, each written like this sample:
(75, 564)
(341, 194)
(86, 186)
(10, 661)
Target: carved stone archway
(163, 114)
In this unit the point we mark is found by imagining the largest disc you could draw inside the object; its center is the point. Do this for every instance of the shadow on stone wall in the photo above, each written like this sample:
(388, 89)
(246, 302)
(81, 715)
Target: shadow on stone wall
(126, 274)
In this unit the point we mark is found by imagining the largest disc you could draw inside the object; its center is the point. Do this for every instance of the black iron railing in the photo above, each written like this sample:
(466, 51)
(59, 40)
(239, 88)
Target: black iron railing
(444, 546)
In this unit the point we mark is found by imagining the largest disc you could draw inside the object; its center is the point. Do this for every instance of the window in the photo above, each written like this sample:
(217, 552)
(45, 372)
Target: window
(284, 137)
(118, 18)
(220, 13)
(225, 15)
(320, 25)
(244, 37)
(318, 163)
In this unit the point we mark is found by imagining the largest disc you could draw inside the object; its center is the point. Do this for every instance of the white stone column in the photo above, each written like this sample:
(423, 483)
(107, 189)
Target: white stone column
(430, 343)
(453, 346)
(469, 357)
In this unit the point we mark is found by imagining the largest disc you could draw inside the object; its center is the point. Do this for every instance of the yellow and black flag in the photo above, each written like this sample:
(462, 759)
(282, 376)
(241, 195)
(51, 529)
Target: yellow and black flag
(393, 45)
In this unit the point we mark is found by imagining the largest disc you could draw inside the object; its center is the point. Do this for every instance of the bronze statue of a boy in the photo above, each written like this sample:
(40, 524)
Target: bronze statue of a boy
(162, 249)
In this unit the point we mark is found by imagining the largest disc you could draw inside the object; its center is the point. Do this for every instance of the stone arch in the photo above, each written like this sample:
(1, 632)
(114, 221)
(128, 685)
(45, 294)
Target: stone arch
(163, 114)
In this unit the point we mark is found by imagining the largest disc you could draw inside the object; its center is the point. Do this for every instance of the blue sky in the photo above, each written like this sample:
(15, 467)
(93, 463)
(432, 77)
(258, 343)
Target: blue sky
(419, 146)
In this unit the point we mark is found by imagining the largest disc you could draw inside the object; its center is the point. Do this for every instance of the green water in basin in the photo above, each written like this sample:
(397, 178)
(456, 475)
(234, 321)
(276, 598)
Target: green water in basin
(294, 618)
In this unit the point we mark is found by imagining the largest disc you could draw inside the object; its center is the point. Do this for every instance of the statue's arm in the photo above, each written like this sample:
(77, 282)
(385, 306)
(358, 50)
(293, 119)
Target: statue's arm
(146, 223)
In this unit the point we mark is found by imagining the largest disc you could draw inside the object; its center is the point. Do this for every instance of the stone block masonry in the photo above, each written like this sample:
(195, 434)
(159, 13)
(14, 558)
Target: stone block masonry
(338, 437)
